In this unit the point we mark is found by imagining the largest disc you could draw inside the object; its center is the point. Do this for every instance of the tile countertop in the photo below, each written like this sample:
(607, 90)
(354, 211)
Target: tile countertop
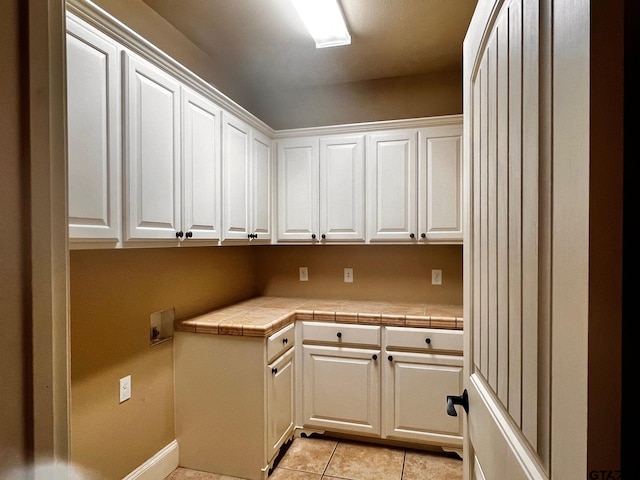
(263, 316)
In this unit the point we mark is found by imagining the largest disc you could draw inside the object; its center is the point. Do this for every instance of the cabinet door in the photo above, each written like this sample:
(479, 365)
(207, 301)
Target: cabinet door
(236, 151)
(392, 186)
(297, 173)
(341, 389)
(261, 186)
(280, 402)
(440, 189)
(342, 188)
(152, 164)
(201, 167)
(414, 397)
(93, 112)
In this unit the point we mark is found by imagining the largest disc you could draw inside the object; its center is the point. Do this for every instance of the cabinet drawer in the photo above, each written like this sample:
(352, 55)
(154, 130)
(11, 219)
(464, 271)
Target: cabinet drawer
(423, 339)
(280, 341)
(341, 333)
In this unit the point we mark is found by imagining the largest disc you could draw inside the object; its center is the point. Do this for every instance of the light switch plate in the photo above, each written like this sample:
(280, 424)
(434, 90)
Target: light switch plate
(125, 388)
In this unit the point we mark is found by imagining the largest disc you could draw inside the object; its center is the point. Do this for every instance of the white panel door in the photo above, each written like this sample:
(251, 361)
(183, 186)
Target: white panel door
(440, 184)
(260, 193)
(341, 389)
(297, 172)
(93, 117)
(392, 186)
(342, 188)
(506, 277)
(152, 163)
(201, 167)
(236, 157)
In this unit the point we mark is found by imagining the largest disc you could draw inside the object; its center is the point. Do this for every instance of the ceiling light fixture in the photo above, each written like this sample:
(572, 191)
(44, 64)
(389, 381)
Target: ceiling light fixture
(324, 21)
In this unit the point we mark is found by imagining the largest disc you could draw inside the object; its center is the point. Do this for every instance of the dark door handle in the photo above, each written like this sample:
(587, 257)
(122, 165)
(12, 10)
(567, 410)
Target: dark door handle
(457, 400)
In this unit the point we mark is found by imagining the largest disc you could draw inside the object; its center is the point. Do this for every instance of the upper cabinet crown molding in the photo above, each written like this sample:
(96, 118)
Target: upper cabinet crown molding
(370, 127)
(100, 19)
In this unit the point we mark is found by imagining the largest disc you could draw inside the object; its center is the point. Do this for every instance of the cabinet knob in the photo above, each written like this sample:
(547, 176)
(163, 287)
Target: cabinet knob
(427, 340)
(189, 234)
(179, 234)
(313, 235)
(412, 235)
(285, 340)
(339, 334)
(274, 370)
(390, 358)
(374, 356)
(323, 236)
(423, 235)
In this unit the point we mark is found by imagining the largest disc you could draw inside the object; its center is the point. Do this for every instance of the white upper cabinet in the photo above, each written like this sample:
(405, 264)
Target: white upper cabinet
(93, 111)
(440, 187)
(152, 149)
(342, 188)
(246, 173)
(297, 183)
(158, 156)
(392, 186)
(201, 167)
(321, 189)
(261, 190)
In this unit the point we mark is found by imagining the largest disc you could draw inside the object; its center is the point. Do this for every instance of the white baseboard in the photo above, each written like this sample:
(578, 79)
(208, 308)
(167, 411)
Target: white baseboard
(159, 466)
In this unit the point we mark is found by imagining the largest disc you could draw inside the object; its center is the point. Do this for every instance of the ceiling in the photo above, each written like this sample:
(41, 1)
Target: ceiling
(264, 44)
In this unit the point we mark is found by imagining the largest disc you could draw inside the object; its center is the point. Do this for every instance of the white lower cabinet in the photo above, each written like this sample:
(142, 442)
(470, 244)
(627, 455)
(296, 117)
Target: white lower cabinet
(280, 402)
(349, 384)
(414, 396)
(234, 404)
(341, 389)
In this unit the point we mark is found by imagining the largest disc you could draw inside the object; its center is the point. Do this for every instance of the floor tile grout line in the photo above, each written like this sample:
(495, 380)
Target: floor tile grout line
(330, 457)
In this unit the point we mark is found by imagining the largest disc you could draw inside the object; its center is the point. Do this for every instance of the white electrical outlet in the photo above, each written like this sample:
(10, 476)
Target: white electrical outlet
(348, 275)
(436, 277)
(304, 274)
(125, 388)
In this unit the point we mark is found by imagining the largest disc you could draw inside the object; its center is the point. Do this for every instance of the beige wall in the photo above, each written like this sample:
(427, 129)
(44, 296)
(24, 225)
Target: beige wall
(14, 336)
(396, 98)
(400, 273)
(113, 292)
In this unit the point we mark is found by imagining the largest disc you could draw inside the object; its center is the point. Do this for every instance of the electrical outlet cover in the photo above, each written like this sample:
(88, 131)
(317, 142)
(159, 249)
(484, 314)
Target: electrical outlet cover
(125, 388)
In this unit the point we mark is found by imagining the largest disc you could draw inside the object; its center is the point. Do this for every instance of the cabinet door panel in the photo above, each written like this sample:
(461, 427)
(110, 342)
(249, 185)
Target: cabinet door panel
(440, 153)
(153, 151)
(341, 389)
(93, 99)
(416, 387)
(298, 189)
(261, 186)
(201, 192)
(342, 188)
(392, 186)
(235, 174)
(280, 402)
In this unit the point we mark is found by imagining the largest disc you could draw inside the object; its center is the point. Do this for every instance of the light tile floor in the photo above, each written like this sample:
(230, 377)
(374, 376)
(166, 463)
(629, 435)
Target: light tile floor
(321, 458)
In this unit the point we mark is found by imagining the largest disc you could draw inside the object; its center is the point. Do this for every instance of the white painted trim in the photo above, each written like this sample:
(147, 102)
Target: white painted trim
(367, 127)
(159, 466)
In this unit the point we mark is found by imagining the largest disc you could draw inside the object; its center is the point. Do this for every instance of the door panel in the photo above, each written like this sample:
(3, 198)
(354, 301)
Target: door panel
(153, 151)
(506, 358)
